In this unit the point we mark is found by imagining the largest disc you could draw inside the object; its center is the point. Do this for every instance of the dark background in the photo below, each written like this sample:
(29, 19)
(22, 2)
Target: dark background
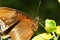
(49, 9)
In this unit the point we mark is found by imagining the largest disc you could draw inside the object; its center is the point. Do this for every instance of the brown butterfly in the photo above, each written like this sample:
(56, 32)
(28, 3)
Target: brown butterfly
(16, 24)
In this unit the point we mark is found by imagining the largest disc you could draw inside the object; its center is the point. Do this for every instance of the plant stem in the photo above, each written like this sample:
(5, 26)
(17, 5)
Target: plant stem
(55, 38)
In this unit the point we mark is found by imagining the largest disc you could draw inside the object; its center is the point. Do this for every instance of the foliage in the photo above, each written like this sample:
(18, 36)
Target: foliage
(43, 36)
(51, 28)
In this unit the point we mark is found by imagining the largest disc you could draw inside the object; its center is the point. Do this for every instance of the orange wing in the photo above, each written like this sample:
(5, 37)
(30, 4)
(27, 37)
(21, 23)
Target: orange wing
(23, 30)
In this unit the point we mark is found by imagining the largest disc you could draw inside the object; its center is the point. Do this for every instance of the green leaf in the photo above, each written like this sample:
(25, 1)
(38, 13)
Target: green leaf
(59, 1)
(50, 25)
(43, 36)
(58, 30)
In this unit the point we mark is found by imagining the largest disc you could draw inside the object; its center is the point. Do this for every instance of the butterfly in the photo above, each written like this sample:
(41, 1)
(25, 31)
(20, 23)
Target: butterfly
(16, 25)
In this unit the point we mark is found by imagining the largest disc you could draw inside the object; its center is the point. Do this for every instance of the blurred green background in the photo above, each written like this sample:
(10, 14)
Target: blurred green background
(49, 9)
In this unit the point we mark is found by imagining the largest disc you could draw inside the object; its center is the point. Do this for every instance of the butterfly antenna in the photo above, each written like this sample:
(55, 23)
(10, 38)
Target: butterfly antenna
(38, 11)
(38, 8)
